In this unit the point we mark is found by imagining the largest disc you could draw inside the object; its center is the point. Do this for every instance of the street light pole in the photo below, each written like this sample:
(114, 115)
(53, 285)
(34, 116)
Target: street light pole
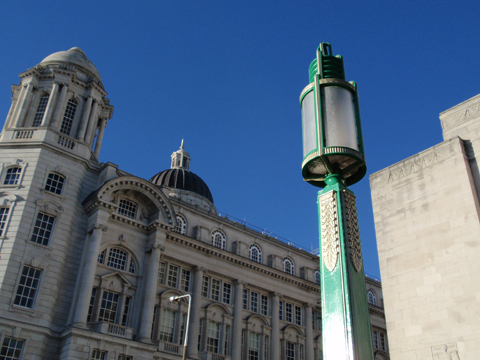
(175, 298)
(334, 158)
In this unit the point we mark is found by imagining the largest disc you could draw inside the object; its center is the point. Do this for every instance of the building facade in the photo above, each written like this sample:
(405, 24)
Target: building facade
(426, 212)
(91, 255)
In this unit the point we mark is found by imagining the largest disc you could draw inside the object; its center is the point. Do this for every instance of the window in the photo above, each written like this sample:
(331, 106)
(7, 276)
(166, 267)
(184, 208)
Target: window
(215, 290)
(126, 310)
(372, 299)
(28, 287)
(43, 229)
(219, 239)
(12, 175)
(205, 283)
(288, 266)
(288, 312)
(253, 346)
(375, 340)
(55, 183)
(289, 350)
(245, 299)
(264, 305)
(108, 307)
(182, 329)
(11, 349)
(161, 272)
(185, 283)
(124, 357)
(172, 276)
(255, 253)
(226, 348)
(254, 301)
(167, 325)
(383, 343)
(227, 293)
(92, 303)
(99, 355)
(127, 208)
(200, 335)
(280, 310)
(68, 117)
(117, 259)
(154, 322)
(316, 273)
(181, 227)
(213, 335)
(298, 315)
(266, 346)
(42, 105)
(3, 219)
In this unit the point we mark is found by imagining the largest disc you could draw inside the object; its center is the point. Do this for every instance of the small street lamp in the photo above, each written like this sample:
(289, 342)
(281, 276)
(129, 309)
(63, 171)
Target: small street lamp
(176, 298)
(333, 157)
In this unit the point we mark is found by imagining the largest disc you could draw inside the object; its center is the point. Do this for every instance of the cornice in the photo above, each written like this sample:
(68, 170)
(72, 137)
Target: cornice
(376, 310)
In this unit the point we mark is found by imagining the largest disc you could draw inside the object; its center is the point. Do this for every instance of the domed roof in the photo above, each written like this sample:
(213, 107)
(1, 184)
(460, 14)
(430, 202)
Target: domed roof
(75, 56)
(182, 179)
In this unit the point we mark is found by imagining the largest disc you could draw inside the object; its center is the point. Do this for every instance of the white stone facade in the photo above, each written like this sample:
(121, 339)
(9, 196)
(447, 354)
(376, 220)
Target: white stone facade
(90, 255)
(426, 212)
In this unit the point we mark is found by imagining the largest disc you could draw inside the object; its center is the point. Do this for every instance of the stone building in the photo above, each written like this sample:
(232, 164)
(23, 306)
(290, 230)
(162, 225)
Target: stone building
(91, 255)
(426, 212)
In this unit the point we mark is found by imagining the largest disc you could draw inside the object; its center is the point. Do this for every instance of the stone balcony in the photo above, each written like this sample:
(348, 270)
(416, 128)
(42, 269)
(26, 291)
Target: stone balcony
(112, 329)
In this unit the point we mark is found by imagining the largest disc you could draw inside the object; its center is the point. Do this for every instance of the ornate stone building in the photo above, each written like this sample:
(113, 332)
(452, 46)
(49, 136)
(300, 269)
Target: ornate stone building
(427, 223)
(91, 255)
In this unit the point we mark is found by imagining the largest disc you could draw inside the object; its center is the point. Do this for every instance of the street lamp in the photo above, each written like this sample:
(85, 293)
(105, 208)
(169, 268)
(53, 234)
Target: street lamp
(333, 157)
(176, 298)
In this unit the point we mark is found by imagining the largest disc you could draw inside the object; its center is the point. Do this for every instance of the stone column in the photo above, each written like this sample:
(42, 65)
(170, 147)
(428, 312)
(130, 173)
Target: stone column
(88, 276)
(85, 116)
(23, 107)
(237, 321)
(195, 313)
(275, 338)
(92, 124)
(18, 104)
(150, 293)
(50, 104)
(309, 350)
(98, 144)
(61, 101)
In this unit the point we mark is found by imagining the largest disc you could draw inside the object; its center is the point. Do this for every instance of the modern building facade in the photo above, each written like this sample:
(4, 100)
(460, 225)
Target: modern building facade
(91, 255)
(426, 212)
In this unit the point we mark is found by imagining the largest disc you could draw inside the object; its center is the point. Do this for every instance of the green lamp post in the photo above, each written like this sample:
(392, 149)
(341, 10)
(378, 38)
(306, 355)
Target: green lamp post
(333, 157)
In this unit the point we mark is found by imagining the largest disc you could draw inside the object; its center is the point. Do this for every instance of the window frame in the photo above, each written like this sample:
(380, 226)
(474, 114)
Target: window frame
(122, 211)
(45, 240)
(41, 109)
(104, 257)
(9, 165)
(17, 340)
(62, 187)
(181, 228)
(223, 239)
(372, 297)
(69, 115)
(288, 260)
(258, 258)
(34, 299)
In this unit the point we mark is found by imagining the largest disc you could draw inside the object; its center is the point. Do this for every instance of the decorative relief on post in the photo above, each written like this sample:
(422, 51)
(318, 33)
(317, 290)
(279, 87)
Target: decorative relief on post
(98, 226)
(329, 229)
(352, 233)
(445, 352)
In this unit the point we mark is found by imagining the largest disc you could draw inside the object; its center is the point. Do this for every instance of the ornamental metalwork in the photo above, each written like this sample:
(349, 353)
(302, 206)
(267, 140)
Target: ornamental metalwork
(329, 229)
(352, 232)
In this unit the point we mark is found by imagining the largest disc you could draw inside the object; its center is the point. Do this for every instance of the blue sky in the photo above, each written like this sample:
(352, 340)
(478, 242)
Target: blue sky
(226, 77)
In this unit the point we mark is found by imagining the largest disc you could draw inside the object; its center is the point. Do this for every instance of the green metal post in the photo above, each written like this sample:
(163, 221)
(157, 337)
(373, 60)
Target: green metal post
(346, 330)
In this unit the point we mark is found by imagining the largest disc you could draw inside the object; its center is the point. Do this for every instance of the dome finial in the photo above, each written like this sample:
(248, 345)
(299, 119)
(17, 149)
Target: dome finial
(182, 146)
(181, 158)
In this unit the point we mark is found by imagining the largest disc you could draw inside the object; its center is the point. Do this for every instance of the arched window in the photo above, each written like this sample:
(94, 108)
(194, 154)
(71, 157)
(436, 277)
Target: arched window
(316, 273)
(288, 266)
(118, 259)
(255, 253)
(55, 183)
(181, 227)
(372, 299)
(68, 117)
(219, 239)
(127, 208)
(42, 105)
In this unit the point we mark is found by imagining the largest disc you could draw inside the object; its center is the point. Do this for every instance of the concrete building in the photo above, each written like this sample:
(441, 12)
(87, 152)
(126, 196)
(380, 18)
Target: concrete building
(426, 212)
(90, 255)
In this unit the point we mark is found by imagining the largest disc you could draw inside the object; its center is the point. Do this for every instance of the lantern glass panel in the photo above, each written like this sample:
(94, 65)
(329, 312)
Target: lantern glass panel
(309, 127)
(339, 117)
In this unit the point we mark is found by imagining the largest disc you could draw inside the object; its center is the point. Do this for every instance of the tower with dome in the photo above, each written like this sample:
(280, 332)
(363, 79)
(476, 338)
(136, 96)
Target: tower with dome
(90, 255)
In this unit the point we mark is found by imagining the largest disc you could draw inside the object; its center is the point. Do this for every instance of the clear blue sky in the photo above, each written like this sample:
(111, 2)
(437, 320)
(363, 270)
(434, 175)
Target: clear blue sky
(226, 77)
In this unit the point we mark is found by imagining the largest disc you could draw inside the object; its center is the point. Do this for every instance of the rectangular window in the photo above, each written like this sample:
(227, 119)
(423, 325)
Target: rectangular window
(266, 347)
(99, 355)
(298, 315)
(226, 348)
(68, 117)
(213, 335)
(245, 299)
(383, 344)
(43, 229)
(124, 357)
(28, 287)
(375, 340)
(254, 301)
(92, 303)
(3, 219)
(205, 283)
(215, 290)
(154, 322)
(182, 329)
(126, 310)
(280, 310)
(127, 208)
(265, 305)
(108, 307)
(11, 349)
(117, 259)
(54, 183)
(253, 346)
(42, 105)
(200, 336)
(167, 325)
(227, 293)
(289, 351)
(185, 284)
(288, 312)
(172, 276)
(12, 177)
(161, 272)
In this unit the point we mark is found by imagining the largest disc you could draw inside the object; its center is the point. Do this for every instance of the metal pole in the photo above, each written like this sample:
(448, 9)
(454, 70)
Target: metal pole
(175, 298)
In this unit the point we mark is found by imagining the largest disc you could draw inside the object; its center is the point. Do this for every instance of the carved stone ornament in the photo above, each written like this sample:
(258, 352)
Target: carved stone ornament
(352, 233)
(445, 352)
(329, 229)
